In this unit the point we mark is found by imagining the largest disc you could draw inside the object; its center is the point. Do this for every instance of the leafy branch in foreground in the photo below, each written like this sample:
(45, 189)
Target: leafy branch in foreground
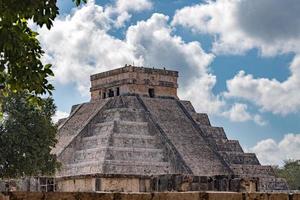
(20, 51)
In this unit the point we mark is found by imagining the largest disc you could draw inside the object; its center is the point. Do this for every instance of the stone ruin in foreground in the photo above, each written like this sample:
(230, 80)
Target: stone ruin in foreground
(135, 135)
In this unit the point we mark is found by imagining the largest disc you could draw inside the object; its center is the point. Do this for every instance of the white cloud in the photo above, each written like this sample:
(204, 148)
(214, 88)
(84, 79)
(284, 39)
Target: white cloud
(79, 45)
(133, 5)
(157, 46)
(59, 115)
(272, 153)
(239, 113)
(270, 95)
(240, 25)
(120, 11)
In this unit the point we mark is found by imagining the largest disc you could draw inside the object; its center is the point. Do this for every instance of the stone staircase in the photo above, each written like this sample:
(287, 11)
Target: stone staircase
(242, 164)
(185, 137)
(118, 141)
(73, 125)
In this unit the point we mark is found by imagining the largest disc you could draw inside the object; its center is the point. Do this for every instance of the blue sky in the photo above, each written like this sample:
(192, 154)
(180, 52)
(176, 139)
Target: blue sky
(238, 59)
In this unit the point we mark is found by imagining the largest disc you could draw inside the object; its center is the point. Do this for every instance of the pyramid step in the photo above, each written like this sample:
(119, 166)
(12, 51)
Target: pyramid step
(82, 168)
(252, 170)
(129, 167)
(129, 127)
(123, 153)
(213, 132)
(127, 114)
(239, 158)
(134, 141)
(229, 145)
(271, 184)
(94, 141)
(102, 128)
(135, 154)
(90, 154)
(136, 163)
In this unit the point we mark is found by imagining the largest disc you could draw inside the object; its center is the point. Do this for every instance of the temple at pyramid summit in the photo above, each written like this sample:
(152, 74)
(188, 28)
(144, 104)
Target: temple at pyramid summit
(136, 135)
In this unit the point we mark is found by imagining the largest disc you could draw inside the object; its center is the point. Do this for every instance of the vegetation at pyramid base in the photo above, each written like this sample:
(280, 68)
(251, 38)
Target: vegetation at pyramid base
(20, 51)
(27, 135)
(291, 173)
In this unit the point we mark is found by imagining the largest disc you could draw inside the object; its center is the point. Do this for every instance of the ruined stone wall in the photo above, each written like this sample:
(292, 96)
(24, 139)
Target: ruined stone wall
(149, 196)
(134, 80)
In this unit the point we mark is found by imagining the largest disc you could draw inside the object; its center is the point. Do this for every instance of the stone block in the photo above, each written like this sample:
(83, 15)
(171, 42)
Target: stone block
(296, 196)
(176, 196)
(132, 196)
(267, 196)
(221, 195)
(4, 197)
(26, 196)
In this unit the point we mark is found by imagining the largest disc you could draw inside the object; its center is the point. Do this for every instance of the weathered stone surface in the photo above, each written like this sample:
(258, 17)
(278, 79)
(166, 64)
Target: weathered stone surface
(130, 133)
(268, 196)
(295, 196)
(223, 196)
(148, 196)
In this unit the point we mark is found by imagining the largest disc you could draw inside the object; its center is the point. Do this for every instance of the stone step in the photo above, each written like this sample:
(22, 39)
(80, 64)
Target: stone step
(135, 154)
(213, 132)
(94, 141)
(115, 167)
(201, 119)
(136, 163)
(98, 164)
(271, 184)
(90, 154)
(134, 141)
(129, 127)
(252, 170)
(119, 139)
(229, 145)
(239, 158)
(145, 168)
(119, 153)
(82, 168)
(127, 114)
(101, 128)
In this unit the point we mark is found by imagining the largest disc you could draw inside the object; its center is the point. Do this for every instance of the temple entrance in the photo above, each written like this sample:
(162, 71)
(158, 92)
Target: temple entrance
(110, 93)
(151, 92)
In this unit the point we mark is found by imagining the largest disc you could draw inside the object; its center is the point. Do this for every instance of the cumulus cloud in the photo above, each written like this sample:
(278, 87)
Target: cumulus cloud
(240, 25)
(80, 44)
(239, 113)
(122, 8)
(269, 152)
(59, 115)
(270, 95)
(157, 46)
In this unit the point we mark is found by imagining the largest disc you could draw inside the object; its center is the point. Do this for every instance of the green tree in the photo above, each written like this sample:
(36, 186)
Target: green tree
(20, 51)
(27, 135)
(291, 173)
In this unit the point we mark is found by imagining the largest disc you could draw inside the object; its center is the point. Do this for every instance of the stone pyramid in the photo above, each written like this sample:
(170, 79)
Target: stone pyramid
(136, 125)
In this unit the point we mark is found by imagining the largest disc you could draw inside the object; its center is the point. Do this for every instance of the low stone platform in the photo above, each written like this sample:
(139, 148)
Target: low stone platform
(148, 196)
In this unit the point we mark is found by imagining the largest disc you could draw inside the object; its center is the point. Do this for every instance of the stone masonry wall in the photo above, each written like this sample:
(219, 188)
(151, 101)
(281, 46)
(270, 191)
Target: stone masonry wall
(149, 196)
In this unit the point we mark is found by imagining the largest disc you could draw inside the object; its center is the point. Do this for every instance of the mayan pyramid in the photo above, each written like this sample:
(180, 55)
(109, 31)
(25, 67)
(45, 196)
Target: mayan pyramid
(135, 124)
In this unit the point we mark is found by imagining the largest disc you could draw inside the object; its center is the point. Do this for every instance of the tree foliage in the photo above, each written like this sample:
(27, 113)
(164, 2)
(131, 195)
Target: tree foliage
(20, 51)
(291, 173)
(27, 135)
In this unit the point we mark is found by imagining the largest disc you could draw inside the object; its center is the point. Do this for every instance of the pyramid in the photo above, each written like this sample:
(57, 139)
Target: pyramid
(136, 126)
